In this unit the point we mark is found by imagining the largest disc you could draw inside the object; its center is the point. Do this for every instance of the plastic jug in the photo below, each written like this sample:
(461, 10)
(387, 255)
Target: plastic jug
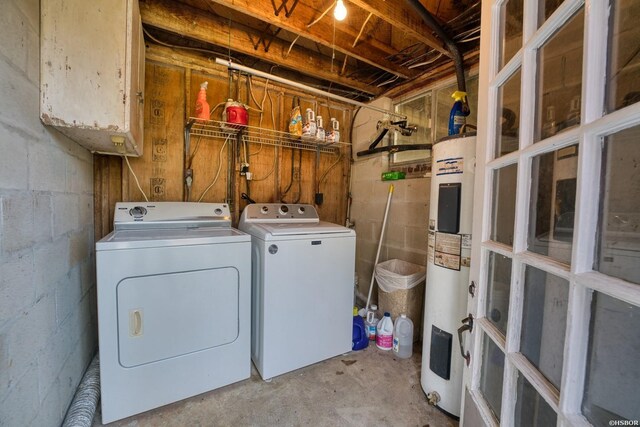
(320, 135)
(403, 337)
(384, 333)
(372, 321)
(309, 128)
(359, 338)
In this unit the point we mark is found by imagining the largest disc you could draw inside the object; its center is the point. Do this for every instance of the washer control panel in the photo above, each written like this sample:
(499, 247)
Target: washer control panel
(133, 215)
(280, 212)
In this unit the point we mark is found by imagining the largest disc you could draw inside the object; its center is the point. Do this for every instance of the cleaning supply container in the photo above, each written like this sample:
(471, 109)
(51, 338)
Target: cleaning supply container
(202, 106)
(309, 127)
(372, 322)
(384, 333)
(403, 337)
(234, 116)
(359, 338)
(459, 112)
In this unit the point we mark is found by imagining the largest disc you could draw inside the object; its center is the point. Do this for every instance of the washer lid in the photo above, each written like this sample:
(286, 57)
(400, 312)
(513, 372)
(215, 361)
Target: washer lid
(302, 229)
(154, 238)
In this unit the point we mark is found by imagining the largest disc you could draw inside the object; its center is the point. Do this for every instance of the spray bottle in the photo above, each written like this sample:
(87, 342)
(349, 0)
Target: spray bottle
(459, 112)
(202, 106)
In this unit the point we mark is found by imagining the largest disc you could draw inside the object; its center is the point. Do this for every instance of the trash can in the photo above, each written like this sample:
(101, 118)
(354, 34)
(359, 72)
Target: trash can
(401, 290)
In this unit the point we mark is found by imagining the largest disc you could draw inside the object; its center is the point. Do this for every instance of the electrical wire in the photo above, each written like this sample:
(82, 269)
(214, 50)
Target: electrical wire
(324, 175)
(215, 179)
(321, 16)
(275, 148)
(126, 159)
(175, 46)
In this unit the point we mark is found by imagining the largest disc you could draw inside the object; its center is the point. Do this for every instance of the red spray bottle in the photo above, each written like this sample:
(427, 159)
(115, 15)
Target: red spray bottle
(202, 106)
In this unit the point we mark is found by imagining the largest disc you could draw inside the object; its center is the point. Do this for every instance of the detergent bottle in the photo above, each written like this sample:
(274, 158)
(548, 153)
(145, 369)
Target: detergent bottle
(202, 106)
(359, 338)
(459, 112)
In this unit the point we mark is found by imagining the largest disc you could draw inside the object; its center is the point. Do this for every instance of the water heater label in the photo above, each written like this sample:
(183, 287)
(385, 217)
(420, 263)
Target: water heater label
(450, 166)
(447, 250)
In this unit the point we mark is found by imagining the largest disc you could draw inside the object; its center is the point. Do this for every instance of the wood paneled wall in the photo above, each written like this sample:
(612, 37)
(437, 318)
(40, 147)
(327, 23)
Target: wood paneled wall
(171, 89)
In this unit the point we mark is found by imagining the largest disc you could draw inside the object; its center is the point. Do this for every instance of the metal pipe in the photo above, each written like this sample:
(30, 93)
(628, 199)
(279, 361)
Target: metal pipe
(449, 43)
(258, 73)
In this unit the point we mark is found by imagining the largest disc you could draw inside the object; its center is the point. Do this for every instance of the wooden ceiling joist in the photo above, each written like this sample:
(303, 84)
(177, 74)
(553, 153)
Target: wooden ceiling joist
(369, 52)
(190, 22)
(405, 19)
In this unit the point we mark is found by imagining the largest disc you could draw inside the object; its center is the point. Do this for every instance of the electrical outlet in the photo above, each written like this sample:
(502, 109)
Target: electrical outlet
(244, 168)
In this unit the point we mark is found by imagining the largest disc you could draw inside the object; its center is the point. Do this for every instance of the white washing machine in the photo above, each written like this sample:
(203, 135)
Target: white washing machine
(174, 303)
(302, 287)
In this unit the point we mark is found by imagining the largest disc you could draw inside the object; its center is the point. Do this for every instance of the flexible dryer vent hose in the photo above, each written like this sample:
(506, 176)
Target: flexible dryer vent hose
(83, 406)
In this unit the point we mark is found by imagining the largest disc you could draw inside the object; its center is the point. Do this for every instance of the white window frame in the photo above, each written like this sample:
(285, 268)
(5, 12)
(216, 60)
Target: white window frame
(583, 280)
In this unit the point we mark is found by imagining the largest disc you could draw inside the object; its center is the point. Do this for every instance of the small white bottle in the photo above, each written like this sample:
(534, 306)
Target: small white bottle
(403, 337)
(333, 135)
(372, 322)
(320, 136)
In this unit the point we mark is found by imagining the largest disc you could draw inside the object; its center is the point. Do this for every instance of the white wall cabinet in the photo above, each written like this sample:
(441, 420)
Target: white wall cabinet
(92, 73)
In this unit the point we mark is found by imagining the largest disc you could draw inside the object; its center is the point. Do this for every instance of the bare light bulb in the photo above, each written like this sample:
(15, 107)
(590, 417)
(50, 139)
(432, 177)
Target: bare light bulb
(340, 11)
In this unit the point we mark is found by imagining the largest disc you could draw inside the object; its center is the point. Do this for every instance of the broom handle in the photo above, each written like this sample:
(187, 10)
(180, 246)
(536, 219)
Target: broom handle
(384, 225)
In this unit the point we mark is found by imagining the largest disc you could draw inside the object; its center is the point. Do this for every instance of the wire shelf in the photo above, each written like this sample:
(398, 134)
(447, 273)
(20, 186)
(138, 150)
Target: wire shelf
(257, 135)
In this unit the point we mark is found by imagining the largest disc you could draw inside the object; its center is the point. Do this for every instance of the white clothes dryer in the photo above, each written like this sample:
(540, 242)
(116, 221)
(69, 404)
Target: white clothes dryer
(174, 303)
(302, 287)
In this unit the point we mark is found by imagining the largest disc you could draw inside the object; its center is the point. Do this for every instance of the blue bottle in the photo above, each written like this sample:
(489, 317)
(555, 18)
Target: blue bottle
(459, 112)
(359, 338)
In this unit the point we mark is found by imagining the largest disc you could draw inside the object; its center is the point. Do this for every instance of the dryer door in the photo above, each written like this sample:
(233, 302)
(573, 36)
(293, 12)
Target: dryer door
(167, 315)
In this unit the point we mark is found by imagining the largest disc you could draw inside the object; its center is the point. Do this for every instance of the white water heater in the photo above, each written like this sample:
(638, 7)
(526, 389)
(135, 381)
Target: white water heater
(448, 260)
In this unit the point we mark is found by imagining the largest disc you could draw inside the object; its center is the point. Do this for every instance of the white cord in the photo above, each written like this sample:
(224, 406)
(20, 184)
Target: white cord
(217, 173)
(135, 178)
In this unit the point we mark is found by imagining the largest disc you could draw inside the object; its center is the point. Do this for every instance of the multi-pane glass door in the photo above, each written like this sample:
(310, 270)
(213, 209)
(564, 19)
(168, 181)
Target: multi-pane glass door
(557, 255)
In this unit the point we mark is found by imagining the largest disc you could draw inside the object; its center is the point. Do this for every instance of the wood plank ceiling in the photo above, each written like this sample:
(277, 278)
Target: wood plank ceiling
(381, 47)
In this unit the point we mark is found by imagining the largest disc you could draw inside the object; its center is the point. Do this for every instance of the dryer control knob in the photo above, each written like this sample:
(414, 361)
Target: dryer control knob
(264, 210)
(284, 209)
(218, 211)
(138, 211)
(301, 210)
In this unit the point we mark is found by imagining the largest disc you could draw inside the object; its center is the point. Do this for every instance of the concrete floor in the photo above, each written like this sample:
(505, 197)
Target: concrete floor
(364, 388)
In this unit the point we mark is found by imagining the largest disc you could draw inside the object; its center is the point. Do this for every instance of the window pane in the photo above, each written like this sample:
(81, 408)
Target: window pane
(553, 199)
(445, 102)
(546, 9)
(560, 80)
(491, 376)
(512, 21)
(509, 114)
(499, 288)
(619, 249)
(504, 204)
(531, 409)
(624, 55)
(418, 112)
(613, 372)
(544, 322)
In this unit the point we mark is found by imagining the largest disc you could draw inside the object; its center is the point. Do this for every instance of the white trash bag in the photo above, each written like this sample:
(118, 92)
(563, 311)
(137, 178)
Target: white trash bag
(396, 274)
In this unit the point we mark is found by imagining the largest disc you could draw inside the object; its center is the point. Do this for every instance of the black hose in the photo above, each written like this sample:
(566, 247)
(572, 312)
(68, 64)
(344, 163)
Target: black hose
(449, 43)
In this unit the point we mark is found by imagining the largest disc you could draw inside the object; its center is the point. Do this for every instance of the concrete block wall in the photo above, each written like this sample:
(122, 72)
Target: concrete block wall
(48, 331)
(406, 233)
